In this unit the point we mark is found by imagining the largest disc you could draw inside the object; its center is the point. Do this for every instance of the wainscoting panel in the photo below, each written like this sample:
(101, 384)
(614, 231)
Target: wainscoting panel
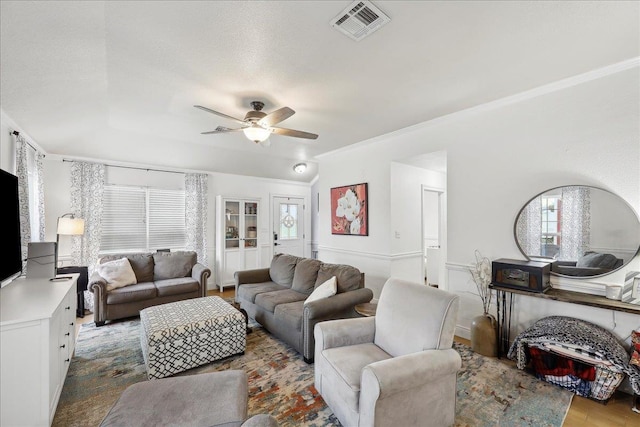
(376, 267)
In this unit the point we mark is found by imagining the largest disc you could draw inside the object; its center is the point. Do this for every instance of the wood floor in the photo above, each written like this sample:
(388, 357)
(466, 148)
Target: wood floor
(582, 413)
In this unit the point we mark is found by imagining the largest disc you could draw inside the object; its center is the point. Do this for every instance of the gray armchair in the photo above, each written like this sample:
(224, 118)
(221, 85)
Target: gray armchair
(396, 368)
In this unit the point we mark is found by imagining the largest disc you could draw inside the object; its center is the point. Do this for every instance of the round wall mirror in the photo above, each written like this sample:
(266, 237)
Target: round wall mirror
(583, 231)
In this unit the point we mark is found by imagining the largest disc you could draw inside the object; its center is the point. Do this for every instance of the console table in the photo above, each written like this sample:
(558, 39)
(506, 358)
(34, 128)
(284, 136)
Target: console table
(505, 305)
(37, 339)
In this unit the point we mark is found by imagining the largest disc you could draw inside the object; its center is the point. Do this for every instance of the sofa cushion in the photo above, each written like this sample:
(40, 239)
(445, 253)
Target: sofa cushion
(131, 293)
(305, 275)
(348, 277)
(249, 291)
(169, 265)
(141, 262)
(290, 314)
(117, 273)
(595, 259)
(179, 285)
(347, 363)
(269, 300)
(282, 269)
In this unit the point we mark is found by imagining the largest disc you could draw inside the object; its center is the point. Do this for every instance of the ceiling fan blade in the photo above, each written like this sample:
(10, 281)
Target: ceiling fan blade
(294, 133)
(276, 117)
(220, 129)
(217, 113)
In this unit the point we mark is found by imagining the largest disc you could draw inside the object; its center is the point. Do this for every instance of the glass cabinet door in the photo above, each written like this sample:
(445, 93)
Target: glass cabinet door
(232, 224)
(250, 224)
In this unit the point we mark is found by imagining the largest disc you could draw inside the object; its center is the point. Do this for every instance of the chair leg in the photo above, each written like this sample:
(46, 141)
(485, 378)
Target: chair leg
(309, 361)
(98, 324)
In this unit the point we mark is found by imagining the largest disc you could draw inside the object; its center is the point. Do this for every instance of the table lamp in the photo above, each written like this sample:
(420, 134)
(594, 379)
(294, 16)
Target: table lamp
(68, 225)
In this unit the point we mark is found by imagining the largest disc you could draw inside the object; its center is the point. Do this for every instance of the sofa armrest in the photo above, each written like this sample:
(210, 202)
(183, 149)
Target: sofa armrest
(261, 420)
(98, 286)
(201, 273)
(336, 305)
(339, 306)
(404, 374)
(258, 275)
(344, 332)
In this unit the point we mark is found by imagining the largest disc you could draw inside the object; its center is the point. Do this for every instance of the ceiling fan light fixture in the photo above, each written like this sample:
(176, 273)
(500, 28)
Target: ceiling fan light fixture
(300, 167)
(256, 133)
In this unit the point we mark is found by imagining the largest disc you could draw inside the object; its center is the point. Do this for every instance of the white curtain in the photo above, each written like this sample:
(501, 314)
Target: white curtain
(529, 228)
(195, 194)
(87, 189)
(576, 222)
(29, 173)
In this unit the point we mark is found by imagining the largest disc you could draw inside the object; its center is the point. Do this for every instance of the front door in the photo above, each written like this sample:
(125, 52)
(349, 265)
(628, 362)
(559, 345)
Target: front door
(288, 230)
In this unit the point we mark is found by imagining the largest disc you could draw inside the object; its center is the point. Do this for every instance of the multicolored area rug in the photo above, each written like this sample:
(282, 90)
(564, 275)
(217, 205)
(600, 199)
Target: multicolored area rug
(109, 358)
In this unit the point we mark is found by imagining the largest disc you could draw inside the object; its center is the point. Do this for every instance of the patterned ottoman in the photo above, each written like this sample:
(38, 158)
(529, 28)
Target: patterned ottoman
(185, 334)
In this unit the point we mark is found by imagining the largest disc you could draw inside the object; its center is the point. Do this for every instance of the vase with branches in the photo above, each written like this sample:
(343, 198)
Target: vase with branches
(481, 273)
(484, 328)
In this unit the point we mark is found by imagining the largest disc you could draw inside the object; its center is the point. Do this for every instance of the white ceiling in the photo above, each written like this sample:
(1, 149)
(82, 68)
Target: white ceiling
(118, 80)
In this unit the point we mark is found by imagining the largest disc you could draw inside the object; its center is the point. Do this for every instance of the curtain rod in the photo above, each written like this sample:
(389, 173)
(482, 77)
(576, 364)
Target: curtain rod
(16, 133)
(127, 167)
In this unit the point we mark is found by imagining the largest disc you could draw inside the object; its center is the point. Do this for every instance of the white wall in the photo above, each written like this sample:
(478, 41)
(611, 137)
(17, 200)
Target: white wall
(498, 157)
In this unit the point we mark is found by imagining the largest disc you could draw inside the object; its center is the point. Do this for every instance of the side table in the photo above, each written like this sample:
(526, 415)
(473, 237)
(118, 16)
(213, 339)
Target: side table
(81, 284)
(366, 309)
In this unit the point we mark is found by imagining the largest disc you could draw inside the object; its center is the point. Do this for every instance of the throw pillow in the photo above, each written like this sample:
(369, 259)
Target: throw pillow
(635, 347)
(325, 290)
(635, 340)
(117, 273)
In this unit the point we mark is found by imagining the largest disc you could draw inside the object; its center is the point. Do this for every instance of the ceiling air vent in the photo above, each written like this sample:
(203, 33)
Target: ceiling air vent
(359, 19)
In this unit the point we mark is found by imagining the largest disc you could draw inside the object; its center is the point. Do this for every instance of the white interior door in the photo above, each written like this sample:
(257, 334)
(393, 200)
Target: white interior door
(288, 227)
(432, 234)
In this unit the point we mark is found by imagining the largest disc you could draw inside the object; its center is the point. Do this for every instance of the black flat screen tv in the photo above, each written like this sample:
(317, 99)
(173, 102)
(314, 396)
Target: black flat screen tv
(11, 265)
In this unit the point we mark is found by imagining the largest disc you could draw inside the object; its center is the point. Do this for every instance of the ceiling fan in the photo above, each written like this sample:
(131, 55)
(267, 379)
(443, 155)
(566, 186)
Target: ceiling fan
(258, 125)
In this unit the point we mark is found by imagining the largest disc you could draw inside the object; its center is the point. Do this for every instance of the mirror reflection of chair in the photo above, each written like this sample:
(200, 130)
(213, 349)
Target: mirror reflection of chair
(397, 368)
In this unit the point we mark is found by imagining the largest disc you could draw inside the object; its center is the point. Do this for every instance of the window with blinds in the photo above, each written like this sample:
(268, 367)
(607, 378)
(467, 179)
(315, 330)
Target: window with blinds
(142, 219)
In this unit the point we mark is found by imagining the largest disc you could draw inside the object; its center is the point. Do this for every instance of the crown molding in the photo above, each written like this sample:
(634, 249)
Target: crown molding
(493, 105)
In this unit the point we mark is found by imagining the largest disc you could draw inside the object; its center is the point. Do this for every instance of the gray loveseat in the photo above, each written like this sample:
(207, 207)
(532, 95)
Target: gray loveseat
(275, 297)
(162, 277)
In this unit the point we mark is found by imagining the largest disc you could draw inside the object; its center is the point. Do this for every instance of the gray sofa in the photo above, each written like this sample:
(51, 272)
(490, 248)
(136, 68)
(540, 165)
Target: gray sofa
(162, 277)
(275, 297)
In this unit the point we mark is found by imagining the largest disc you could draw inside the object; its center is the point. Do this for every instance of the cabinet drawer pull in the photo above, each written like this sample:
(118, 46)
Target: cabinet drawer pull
(71, 324)
(66, 360)
(68, 307)
(63, 346)
(67, 334)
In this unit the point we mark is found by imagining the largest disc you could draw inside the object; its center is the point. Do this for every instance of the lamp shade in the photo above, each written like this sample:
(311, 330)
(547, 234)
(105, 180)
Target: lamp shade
(71, 226)
(256, 133)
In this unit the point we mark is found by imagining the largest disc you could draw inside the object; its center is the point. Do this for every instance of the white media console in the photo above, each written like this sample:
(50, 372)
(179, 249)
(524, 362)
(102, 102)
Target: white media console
(37, 339)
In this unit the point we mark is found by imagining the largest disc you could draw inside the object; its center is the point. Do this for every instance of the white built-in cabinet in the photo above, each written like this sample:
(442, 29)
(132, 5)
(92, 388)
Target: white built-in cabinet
(237, 248)
(37, 339)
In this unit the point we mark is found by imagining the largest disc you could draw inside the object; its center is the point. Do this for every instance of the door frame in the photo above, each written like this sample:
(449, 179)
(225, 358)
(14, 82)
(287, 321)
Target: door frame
(442, 230)
(306, 215)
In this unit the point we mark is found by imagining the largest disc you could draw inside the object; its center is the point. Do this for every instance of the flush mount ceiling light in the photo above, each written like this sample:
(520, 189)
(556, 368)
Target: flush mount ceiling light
(300, 167)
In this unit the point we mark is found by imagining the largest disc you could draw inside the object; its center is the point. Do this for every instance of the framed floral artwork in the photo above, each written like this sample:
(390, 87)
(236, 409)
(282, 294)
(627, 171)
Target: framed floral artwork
(349, 210)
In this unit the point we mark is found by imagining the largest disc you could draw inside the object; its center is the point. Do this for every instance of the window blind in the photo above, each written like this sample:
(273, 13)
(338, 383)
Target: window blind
(142, 219)
(166, 219)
